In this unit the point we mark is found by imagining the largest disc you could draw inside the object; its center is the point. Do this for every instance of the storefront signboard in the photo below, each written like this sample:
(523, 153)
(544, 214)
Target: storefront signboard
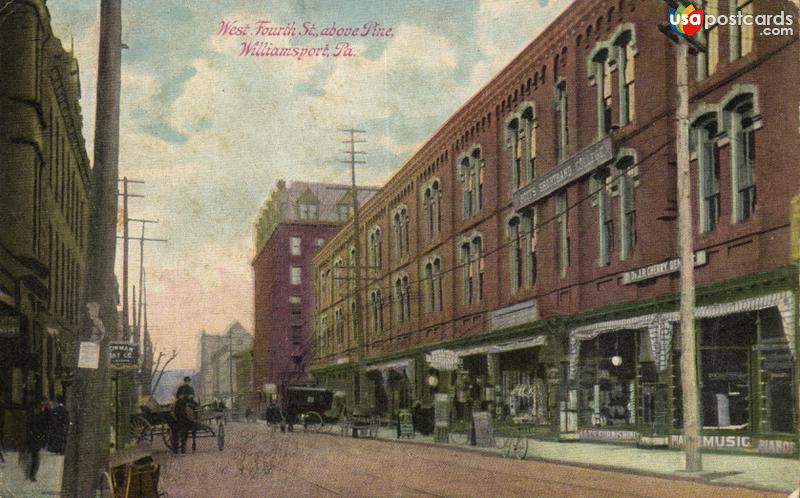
(482, 424)
(771, 446)
(443, 359)
(441, 410)
(606, 435)
(89, 355)
(582, 163)
(659, 269)
(123, 354)
(10, 326)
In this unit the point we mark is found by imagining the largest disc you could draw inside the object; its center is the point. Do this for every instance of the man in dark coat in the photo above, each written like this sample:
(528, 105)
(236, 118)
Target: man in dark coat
(35, 433)
(58, 426)
(184, 415)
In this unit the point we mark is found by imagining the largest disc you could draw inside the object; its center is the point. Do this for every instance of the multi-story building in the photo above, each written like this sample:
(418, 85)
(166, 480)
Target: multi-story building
(217, 373)
(291, 226)
(45, 197)
(531, 243)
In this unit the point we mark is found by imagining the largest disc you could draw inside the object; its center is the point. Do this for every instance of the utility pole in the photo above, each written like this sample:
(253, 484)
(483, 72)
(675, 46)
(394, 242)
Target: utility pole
(230, 363)
(125, 233)
(87, 449)
(357, 322)
(691, 415)
(691, 411)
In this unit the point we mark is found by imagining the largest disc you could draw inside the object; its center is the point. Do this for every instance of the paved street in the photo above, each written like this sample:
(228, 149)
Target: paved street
(257, 462)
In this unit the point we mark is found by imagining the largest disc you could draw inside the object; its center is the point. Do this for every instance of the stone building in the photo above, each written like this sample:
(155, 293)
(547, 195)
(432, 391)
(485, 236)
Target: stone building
(293, 224)
(531, 242)
(45, 198)
(217, 374)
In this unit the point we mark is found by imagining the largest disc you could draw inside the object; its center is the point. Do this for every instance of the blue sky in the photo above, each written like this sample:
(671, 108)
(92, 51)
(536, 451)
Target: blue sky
(210, 132)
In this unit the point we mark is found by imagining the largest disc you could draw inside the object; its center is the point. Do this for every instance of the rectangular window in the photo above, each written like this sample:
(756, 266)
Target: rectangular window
(295, 300)
(532, 150)
(627, 83)
(628, 210)
(707, 61)
(295, 246)
(562, 136)
(319, 242)
(562, 235)
(741, 36)
(607, 95)
(295, 274)
(709, 169)
(745, 156)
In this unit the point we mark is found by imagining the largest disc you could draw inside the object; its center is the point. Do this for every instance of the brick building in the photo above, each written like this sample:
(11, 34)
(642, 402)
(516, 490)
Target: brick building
(45, 198)
(532, 241)
(293, 223)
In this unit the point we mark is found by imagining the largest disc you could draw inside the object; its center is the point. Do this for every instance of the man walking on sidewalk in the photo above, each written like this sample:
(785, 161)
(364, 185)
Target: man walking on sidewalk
(36, 430)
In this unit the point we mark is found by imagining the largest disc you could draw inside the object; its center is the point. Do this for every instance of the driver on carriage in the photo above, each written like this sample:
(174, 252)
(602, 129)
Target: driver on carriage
(184, 412)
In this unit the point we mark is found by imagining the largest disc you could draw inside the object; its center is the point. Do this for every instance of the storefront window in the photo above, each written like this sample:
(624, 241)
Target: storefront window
(607, 379)
(777, 372)
(724, 360)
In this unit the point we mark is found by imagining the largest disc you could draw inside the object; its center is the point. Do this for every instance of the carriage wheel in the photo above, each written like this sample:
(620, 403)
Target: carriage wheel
(140, 429)
(312, 421)
(516, 447)
(166, 435)
(221, 435)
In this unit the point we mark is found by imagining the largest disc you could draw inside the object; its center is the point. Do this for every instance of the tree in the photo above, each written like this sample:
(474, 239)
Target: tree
(157, 364)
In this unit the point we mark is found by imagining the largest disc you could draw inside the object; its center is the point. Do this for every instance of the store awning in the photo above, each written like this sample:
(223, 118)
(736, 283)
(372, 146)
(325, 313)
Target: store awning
(530, 342)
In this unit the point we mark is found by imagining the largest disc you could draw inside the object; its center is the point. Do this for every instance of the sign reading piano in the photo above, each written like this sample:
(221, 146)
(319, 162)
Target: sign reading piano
(582, 163)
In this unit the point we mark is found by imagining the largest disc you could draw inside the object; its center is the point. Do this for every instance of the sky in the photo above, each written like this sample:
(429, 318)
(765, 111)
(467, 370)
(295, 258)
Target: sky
(210, 131)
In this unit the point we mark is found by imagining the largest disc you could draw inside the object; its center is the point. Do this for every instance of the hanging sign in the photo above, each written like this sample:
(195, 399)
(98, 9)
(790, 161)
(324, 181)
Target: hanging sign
(658, 269)
(123, 353)
(89, 355)
(443, 359)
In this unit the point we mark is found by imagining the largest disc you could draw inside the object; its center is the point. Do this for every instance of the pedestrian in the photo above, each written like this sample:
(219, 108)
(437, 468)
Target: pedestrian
(58, 426)
(184, 415)
(35, 433)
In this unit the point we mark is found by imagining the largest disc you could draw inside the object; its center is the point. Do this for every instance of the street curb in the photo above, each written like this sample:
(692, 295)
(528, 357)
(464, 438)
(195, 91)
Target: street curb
(589, 466)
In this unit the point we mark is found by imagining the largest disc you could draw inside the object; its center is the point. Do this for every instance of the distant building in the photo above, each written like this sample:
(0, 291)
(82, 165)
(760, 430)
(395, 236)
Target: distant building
(45, 185)
(216, 377)
(293, 224)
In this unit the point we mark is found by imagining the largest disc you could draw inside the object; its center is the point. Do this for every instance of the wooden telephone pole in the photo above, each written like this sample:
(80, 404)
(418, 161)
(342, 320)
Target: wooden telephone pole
(87, 449)
(357, 321)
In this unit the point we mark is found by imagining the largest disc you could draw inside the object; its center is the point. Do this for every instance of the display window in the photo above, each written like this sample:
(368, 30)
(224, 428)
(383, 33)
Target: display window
(607, 380)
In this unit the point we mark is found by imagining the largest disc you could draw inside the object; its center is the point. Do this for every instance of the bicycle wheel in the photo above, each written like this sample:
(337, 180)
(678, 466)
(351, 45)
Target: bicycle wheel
(221, 435)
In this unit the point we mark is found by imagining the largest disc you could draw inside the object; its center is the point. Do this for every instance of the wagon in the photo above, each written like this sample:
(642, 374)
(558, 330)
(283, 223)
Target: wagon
(159, 421)
(301, 404)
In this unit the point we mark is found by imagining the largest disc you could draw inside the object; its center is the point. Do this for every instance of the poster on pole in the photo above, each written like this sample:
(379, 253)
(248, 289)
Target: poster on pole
(89, 355)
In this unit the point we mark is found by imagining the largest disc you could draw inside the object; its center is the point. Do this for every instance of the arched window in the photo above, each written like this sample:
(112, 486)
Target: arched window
(628, 179)
(471, 168)
(375, 247)
(400, 223)
(521, 140)
(627, 77)
(743, 119)
(602, 186)
(433, 281)
(402, 299)
(376, 307)
(472, 261)
(338, 277)
(704, 144)
(338, 325)
(432, 205)
(604, 82)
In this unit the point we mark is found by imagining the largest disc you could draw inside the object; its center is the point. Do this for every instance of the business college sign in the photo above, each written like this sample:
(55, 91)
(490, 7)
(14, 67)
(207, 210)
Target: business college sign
(567, 172)
(658, 269)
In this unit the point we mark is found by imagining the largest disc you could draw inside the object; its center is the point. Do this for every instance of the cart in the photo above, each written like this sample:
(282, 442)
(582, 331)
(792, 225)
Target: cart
(207, 421)
(136, 479)
(301, 404)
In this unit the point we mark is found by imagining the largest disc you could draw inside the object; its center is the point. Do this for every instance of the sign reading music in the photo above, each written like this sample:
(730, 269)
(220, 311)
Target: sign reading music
(585, 161)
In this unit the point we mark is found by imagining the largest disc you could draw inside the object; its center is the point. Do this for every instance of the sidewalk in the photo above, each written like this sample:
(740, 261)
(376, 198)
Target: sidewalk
(13, 483)
(753, 471)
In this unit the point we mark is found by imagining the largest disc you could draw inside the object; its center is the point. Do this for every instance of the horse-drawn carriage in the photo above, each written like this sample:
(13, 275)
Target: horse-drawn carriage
(304, 405)
(155, 420)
